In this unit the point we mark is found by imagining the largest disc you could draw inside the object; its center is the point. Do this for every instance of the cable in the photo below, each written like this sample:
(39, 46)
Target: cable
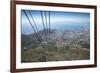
(43, 22)
(31, 25)
(34, 24)
(46, 22)
(49, 24)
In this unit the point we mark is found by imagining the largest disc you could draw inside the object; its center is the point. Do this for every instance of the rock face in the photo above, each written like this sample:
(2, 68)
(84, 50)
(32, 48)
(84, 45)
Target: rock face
(56, 45)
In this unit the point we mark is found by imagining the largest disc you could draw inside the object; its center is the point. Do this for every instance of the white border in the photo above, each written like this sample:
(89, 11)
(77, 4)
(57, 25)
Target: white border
(20, 65)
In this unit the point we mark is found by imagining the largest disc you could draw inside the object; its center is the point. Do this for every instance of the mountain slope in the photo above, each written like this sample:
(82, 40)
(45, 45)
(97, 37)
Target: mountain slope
(59, 45)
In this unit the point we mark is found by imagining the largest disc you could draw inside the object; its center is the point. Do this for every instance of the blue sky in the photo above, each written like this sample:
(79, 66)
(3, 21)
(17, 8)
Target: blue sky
(58, 20)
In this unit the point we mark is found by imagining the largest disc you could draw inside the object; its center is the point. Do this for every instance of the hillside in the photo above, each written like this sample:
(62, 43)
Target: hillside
(59, 45)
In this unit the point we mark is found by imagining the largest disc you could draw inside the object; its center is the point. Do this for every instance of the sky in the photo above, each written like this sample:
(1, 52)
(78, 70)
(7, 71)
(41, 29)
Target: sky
(58, 20)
